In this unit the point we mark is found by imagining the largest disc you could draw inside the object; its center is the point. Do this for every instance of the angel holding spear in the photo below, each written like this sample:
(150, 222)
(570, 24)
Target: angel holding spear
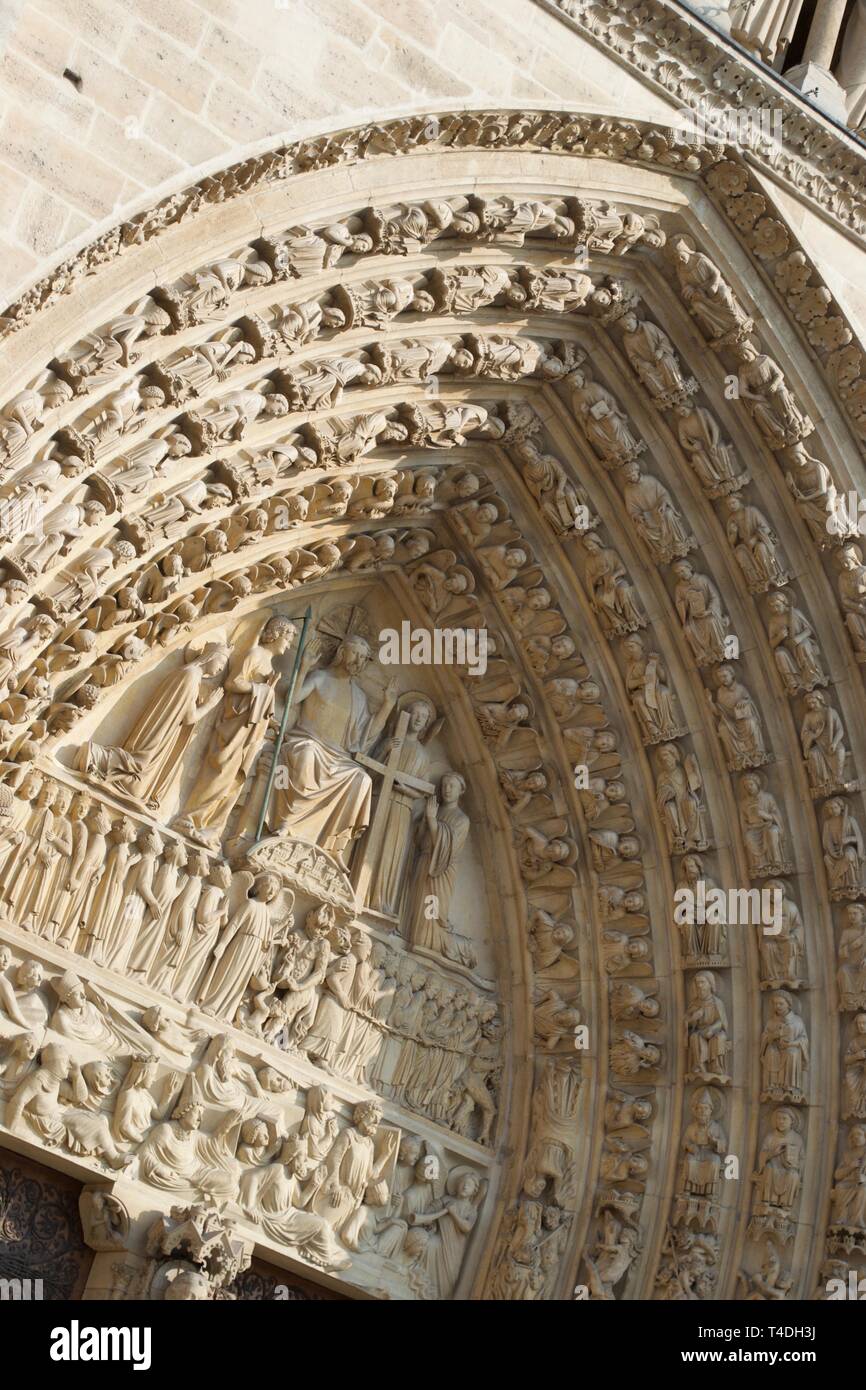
(244, 716)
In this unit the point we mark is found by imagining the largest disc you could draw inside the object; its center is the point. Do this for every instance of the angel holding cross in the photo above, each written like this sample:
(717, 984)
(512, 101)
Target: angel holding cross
(408, 760)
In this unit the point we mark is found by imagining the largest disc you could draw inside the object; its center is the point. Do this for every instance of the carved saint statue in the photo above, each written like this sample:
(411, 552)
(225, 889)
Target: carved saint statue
(854, 1088)
(702, 1150)
(646, 681)
(784, 1052)
(442, 834)
(851, 975)
(822, 738)
(699, 607)
(707, 1027)
(678, 797)
(849, 1193)
(781, 951)
(851, 585)
(738, 721)
(777, 1174)
(844, 850)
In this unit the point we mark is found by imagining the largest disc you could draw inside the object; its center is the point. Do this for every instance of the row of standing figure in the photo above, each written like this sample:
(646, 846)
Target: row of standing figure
(125, 900)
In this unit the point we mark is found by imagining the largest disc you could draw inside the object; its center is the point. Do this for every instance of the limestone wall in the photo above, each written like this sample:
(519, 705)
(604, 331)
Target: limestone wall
(170, 88)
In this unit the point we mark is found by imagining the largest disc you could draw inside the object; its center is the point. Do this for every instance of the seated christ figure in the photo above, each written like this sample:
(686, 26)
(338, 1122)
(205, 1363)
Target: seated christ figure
(322, 795)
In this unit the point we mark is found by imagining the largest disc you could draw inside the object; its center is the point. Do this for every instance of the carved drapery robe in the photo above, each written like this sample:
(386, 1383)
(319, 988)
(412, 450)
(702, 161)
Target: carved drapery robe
(387, 881)
(177, 1159)
(210, 916)
(328, 797)
(785, 1052)
(152, 753)
(150, 936)
(243, 954)
(101, 931)
(275, 1196)
(778, 1173)
(435, 875)
(241, 726)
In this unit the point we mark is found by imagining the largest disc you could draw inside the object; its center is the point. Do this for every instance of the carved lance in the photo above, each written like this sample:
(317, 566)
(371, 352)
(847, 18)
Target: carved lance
(290, 694)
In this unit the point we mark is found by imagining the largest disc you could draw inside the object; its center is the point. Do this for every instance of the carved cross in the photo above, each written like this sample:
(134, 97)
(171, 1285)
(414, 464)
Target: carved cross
(391, 776)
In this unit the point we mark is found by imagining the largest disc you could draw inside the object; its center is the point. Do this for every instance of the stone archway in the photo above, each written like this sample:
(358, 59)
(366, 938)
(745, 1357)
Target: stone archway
(554, 378)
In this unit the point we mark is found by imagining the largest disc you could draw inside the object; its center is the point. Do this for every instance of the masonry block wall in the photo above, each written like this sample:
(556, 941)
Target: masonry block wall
(160, 91)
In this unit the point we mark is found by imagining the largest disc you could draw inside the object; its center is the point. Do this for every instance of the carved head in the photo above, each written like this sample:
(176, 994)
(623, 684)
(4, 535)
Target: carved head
(421, 716)
(367, 1117)
(319, 920)
(702, 1106)
(850, 557)
(190, 1116)
(124, 832)
(175, 854)
(781, 1004)
(29, 975)
(56, 1060)
(266, 887)
(221, 875)
(451, 788)
(94, 513)
(320, 1101)
(363, 946)
(562, 647)
(70, 991)
(254, 1133)
(179, 445)
(462, 359)
(278, 633)
(352, 655)
(410, 1151)
(342, 939)
(703, 985)
(213, 659)
(855, 916)
(187, 1286)
(467, 1185)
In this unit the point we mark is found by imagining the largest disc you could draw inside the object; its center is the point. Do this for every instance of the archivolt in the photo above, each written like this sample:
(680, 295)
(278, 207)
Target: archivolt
(448, 327)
